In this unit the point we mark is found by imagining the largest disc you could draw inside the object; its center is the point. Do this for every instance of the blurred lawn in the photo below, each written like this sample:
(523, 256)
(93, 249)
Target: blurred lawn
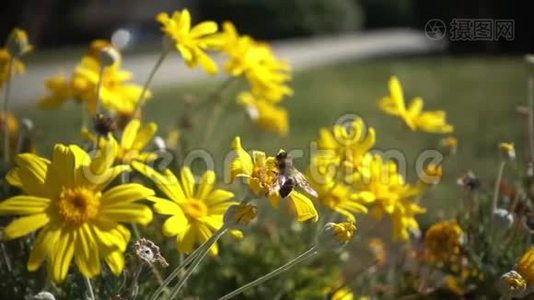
(480, 95)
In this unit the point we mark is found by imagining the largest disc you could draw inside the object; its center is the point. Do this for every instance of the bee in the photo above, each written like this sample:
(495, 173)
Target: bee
(288, 177)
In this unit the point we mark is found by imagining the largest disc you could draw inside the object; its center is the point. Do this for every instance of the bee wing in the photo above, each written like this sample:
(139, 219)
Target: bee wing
(280, 180)
(302, 182)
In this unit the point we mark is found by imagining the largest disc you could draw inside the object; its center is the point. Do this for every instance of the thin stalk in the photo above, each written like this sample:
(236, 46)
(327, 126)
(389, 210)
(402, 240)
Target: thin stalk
(302, 257)
(141, 100)
(216, 109)
(99, 88)
(89, 288)
(175, 273)
(531, 115)
(497, 186)
(206, 247)
(5, 110)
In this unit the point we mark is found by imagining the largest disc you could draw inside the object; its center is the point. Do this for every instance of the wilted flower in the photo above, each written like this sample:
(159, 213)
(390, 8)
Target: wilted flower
(65, 199)
(191, 41)
(443, 241)
(469, 181)
(432, 174)
(17, 43)
(109, 56)
(149, 252)
(511, 284)
(413, 115)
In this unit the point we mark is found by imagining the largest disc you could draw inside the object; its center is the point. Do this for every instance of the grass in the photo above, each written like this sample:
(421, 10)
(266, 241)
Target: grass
(480, 95)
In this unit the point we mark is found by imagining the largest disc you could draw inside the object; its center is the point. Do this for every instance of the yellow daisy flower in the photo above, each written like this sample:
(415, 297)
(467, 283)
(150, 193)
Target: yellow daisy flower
(349, 144)
(65, 198)
(266, 115)
(260, 173)
(196, 213)
(191, 41)
(393, 196)
(413, 115)
(131, 146)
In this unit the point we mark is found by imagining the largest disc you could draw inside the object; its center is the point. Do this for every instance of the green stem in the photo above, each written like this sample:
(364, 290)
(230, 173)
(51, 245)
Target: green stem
(216, 108)
(202, 253)
(89, 288)
(302, 257)
(5, 111)
(530, 96)
(141, 100)
(497, 186)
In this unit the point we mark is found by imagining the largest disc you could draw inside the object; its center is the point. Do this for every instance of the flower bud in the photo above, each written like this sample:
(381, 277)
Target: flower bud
(239, 215)
(508, 150)
(336, 235)
(109, 56)
(43, 296)
(448, 145)
(503, 218)
(17, 43)
(512, 284)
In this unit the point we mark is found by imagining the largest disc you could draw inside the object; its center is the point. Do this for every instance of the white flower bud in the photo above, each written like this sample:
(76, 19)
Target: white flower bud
(109, 56)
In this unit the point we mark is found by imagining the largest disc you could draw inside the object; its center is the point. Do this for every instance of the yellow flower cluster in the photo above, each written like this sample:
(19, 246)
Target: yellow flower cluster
(351, 180)
(116, 94)
(267, 75)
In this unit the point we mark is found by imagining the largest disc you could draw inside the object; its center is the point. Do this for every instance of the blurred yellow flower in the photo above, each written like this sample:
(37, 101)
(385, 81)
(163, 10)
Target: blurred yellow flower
(432, 174)
(443, 241)
(448, 145)
(413, 115)
(16, 45)
(191, 41)
(508, 150)
(196, 212)
(378, 250)
(65, 199)
(349, 143)
(261, 173)
(342, 198)
(393, 196)
(336, 235)
(267, 116)
(343, 293)
(117, 95)
(525, 266)
(132, 145)
(13, 130)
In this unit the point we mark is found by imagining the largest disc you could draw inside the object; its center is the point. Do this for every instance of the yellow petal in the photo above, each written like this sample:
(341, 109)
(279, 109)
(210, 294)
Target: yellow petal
(303, 207)
(203, 28)
(144, 136)
(203, 234)
(42, 246)
(206, 185)
(29, 174)
(125, 193)
(242, 164)
(87, 252)
(23, 205)
(174, 225)
(130, 212)
(165, 207)
(25, 225)
(61, 257)
(218, 196)
(165, 181)
(188, 182)
(115, 261)
(185, 243)
(130, 133)
(397, 96)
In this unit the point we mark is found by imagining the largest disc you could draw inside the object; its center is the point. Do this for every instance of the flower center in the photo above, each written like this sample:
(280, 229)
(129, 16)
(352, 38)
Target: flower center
(78, 205)
(195, 209)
